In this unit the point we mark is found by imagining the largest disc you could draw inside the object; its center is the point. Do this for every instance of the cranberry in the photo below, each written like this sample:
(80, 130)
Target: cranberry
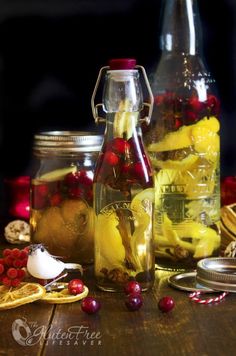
(228, 190)
(39, 196)
(134, 302)
(90, 305)
(75, 286)
(86, 177)
(125, 168)
(191, 115)
(166, 304)
(41, 189)
(213, 104)
(111, 158)
(120, 145)
(1, 269)
(132, 287)
(138, 170)
(178, 123)
(55, 199)
(72, 178)
(195, 104)
(75, 192)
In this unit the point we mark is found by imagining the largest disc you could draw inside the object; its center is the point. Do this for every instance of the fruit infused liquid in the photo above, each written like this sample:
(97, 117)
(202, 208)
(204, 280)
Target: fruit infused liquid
(123, 191)
(62, 215)
(183, 142)
(186, 164)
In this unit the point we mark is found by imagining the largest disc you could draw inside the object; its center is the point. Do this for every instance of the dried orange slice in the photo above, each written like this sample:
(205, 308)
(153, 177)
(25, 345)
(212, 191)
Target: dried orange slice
(63, 296)
(23, 294)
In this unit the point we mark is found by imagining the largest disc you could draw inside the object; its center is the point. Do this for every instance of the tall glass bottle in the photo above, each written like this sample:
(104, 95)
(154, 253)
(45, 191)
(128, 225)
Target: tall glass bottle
(183, 143)
(123, 184)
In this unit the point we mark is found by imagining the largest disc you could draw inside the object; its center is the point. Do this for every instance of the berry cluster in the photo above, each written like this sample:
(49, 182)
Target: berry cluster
(123, 162)
(12, 266)
(75, 185)
(186, 110)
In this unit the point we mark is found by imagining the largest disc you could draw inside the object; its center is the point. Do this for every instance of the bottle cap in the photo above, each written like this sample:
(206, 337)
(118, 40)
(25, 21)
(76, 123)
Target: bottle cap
(122, 63)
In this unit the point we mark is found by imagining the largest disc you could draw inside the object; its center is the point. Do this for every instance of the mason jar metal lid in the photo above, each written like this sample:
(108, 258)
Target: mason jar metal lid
(186, 281)
(67, 141)
(218, 273)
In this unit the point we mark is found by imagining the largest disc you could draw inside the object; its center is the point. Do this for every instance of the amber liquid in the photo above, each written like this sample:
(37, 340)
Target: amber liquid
(186, 159)
(124, 214)
(62, 217)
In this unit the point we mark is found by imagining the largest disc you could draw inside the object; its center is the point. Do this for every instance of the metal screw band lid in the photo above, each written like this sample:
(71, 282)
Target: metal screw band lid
(218, 273)
(69, 141)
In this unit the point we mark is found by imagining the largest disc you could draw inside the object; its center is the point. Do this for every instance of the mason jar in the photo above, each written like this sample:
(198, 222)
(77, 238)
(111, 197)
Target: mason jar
(61, 194)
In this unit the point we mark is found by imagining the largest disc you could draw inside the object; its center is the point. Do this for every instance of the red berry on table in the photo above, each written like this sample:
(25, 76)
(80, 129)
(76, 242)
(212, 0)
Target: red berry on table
(15, 253)
(8, 261)
(11, 273)
(23, 254)
(111, 158)
(75, 286)
(132, 287)
(6, 281)
(21, 273)
(15, 282)
(90, 305)
(6, 252)
(166, 304)
(1, 269)
(134, 302)
(17, 263)
(24, 262)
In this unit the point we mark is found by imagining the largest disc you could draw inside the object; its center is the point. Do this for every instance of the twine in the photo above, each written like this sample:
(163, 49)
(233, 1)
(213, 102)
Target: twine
(195, 298)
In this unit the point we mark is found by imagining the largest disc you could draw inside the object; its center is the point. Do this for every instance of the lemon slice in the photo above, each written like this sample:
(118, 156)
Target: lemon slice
(23, 294)
(181, 165)
(183, 137)
(137, 201)
(63, 296)
(57, 174)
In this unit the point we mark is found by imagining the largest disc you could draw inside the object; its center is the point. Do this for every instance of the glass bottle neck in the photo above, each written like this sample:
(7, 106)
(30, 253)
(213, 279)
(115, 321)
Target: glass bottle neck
(181, 29)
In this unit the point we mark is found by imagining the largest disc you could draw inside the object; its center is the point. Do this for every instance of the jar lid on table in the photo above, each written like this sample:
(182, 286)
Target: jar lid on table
(218, 273)
(67, 141)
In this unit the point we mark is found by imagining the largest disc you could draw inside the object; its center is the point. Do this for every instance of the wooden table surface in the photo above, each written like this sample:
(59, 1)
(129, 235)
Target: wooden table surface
(189, 329)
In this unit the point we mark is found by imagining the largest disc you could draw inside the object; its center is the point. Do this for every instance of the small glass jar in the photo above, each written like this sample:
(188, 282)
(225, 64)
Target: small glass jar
(61, 196)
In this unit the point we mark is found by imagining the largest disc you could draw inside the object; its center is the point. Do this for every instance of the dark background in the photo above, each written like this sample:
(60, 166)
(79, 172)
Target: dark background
(51, 52)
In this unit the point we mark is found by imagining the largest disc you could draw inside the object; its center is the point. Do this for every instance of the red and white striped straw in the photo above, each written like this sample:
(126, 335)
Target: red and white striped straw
(195, 298)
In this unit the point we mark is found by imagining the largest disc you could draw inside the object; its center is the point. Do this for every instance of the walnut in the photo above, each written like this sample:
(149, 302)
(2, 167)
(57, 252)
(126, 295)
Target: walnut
(17, 232)
(230, 250)
(180, 252)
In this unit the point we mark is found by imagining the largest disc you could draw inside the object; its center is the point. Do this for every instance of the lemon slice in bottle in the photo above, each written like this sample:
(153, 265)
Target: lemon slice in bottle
(15, 296)
(63, 296)
(57, 174)
(137, 201)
